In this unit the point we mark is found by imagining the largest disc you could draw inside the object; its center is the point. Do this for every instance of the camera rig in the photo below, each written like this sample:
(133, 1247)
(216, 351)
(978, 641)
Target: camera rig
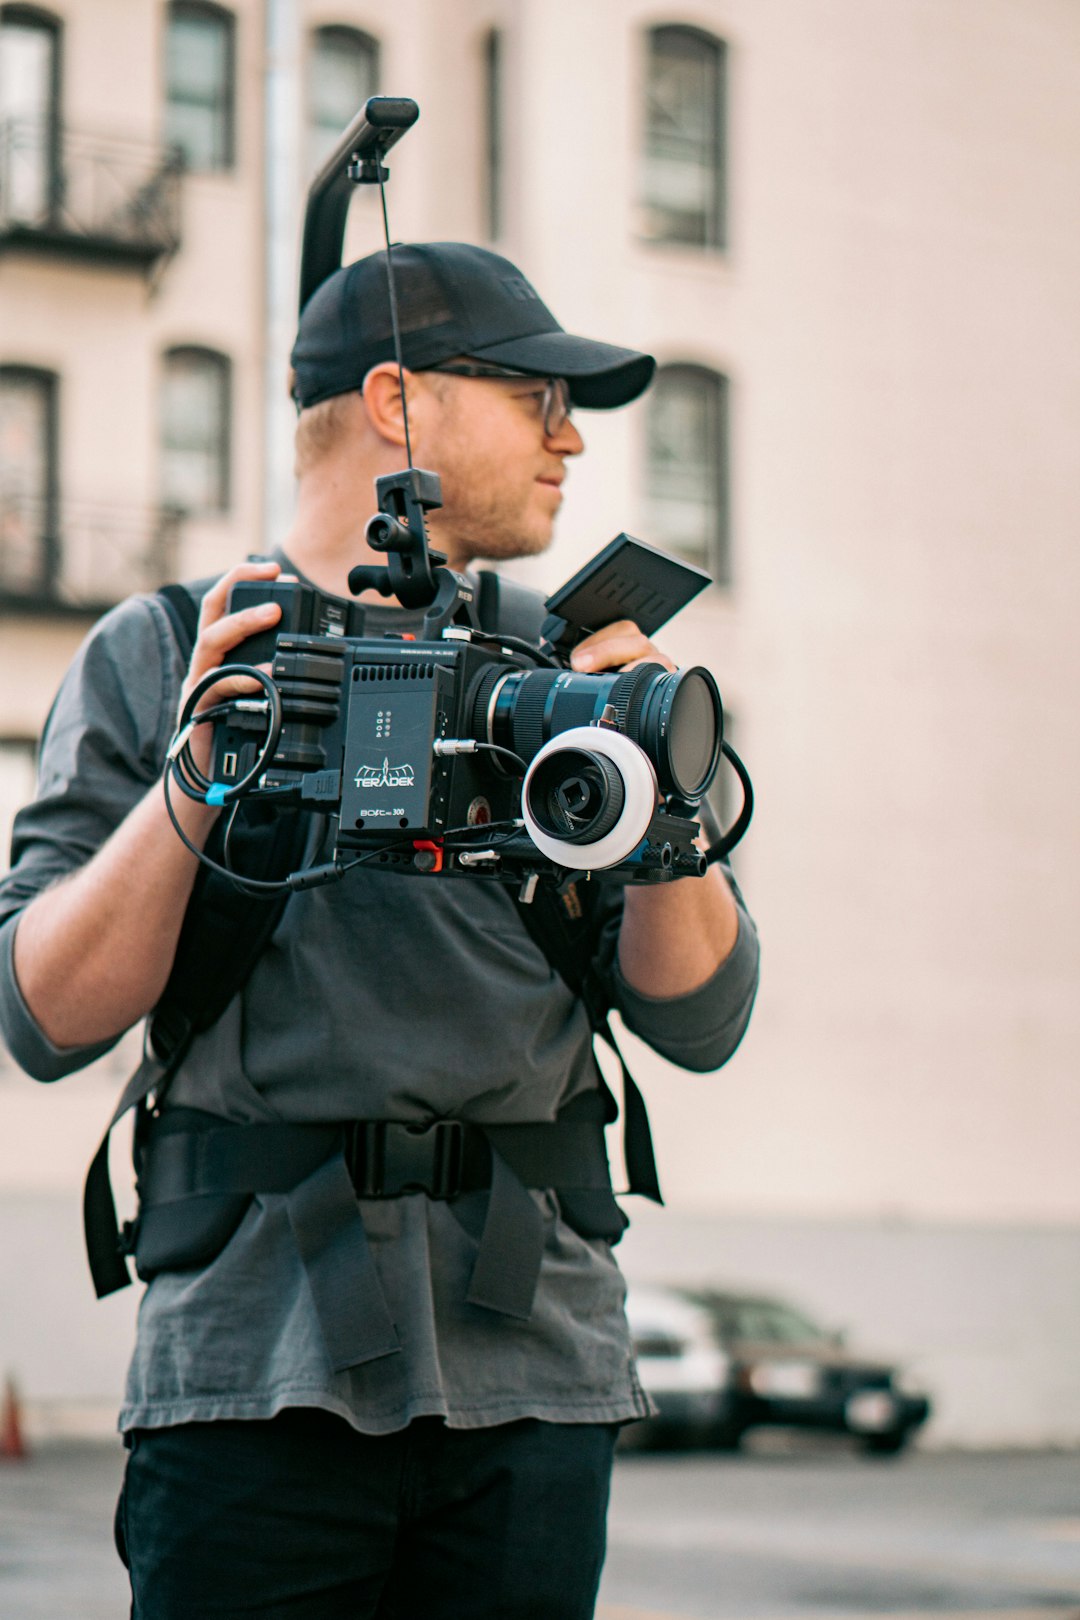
(465, 751)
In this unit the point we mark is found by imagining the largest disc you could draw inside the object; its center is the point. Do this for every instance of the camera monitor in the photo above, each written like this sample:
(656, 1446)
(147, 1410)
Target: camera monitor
(627, 580)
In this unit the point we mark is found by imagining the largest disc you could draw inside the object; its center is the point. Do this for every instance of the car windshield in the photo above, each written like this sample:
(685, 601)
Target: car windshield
(763, 1321)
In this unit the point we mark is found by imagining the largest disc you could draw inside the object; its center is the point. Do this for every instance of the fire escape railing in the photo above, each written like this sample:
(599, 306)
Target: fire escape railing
(107, 199)
(81, 556)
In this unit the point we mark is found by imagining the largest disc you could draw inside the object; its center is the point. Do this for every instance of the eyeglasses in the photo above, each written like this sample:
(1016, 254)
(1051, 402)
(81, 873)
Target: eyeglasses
(556, 407)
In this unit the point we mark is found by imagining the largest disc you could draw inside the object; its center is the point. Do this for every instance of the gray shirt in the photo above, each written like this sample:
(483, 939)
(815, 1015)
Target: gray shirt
(382, 997)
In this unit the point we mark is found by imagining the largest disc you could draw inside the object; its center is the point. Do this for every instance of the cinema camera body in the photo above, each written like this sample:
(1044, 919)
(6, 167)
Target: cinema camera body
(466, 750)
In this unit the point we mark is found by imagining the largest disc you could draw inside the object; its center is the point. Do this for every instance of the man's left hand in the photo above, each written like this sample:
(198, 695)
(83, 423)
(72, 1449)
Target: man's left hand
(617, 646)
(673, 936)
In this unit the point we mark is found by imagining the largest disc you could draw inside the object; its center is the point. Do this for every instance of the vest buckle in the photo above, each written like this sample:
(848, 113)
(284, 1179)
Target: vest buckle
(386, 1158)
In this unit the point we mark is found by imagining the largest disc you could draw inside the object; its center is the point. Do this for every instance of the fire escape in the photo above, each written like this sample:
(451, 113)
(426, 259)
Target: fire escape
(111, 204)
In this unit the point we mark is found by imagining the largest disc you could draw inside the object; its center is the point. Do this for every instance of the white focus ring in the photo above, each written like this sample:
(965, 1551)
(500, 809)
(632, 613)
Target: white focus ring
(639, 807)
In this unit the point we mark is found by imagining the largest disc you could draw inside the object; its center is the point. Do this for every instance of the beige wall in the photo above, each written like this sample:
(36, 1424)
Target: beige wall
(897, 315)
(908, 361)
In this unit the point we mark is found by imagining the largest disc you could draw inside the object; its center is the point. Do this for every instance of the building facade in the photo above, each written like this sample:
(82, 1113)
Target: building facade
(845, 229)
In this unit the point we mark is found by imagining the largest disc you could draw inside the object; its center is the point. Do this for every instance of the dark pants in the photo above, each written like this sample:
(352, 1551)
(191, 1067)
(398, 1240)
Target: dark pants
(301, 1518)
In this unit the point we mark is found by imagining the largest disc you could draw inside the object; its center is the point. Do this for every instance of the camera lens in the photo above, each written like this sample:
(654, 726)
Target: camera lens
(676, 718)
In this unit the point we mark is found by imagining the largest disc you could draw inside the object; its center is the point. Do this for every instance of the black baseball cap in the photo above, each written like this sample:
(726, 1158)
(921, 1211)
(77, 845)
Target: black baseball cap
(453, 300)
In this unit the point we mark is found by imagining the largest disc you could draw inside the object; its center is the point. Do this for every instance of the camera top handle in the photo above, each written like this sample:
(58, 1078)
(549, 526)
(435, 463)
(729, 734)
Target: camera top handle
(413, 573)
(358, 155)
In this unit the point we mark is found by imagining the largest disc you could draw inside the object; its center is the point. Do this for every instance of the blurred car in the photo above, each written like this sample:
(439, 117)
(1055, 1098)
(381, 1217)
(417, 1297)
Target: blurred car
(783, 1369)
(680, 1365)
(787, 1369)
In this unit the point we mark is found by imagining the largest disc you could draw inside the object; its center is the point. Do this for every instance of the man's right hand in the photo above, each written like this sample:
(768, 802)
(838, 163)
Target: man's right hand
(221, 631)
(93, 952)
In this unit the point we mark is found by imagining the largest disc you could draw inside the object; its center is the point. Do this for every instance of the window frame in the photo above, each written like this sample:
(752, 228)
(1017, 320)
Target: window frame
(716, 220)
(207, 11)
(223, 365)
(47, 22)
(718, 553)
(49, 538)
(360, 36)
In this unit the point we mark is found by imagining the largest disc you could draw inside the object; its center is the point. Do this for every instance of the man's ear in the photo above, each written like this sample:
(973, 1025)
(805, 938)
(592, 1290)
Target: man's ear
(382, 398)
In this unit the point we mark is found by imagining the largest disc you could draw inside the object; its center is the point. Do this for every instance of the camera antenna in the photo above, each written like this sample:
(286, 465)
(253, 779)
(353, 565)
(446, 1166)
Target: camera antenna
(382, 172)
(399, 528)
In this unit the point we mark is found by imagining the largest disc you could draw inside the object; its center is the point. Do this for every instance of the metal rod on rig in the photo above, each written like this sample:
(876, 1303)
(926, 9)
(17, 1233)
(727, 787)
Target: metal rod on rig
(404, 498)
(394, 322)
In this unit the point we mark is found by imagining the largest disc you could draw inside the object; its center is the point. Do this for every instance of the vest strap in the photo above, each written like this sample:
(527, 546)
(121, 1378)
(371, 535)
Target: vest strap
(105, 1246)
(345, 1287)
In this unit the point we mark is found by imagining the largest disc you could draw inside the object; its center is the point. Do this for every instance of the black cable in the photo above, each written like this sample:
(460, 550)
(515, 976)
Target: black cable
(198, 794)
(186, 758)
(483, 831)
(373, 854)
(717, 850)
(256, 887)
(459, 746)
(226, 795)
(260, 888)
(227, 835)
(394, 307)
(519, 645)
(504, 753)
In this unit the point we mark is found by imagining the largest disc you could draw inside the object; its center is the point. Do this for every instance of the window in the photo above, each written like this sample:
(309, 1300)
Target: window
(683, 175)
(29, 550)
(687, 467)
(16, 787)
(199, 84)
(343, 71)
(29, 114)
(493, 90)
(195, 411)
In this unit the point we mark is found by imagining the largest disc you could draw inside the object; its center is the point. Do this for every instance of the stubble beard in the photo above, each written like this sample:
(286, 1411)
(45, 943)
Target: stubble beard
(485, 528)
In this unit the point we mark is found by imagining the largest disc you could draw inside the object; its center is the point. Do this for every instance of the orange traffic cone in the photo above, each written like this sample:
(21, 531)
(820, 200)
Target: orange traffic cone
(12, 1444)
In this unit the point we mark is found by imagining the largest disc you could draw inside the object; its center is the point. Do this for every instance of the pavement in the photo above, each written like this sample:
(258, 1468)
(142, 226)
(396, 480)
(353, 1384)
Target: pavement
(814, 1531)
(774, 1535)
(57, 1560)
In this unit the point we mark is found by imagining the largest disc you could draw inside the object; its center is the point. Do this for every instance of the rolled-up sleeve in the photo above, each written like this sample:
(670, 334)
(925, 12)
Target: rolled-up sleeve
(23, 1035)
(103, 747)
(701, 1029)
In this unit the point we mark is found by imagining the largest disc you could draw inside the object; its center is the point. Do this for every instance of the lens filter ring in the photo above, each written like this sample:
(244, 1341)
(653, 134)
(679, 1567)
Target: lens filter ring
(639, 795)
(628, 695)
(677, 718)
(683, 729)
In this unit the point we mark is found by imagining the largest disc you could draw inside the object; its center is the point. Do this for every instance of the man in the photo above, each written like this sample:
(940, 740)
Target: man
(434, 1451)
